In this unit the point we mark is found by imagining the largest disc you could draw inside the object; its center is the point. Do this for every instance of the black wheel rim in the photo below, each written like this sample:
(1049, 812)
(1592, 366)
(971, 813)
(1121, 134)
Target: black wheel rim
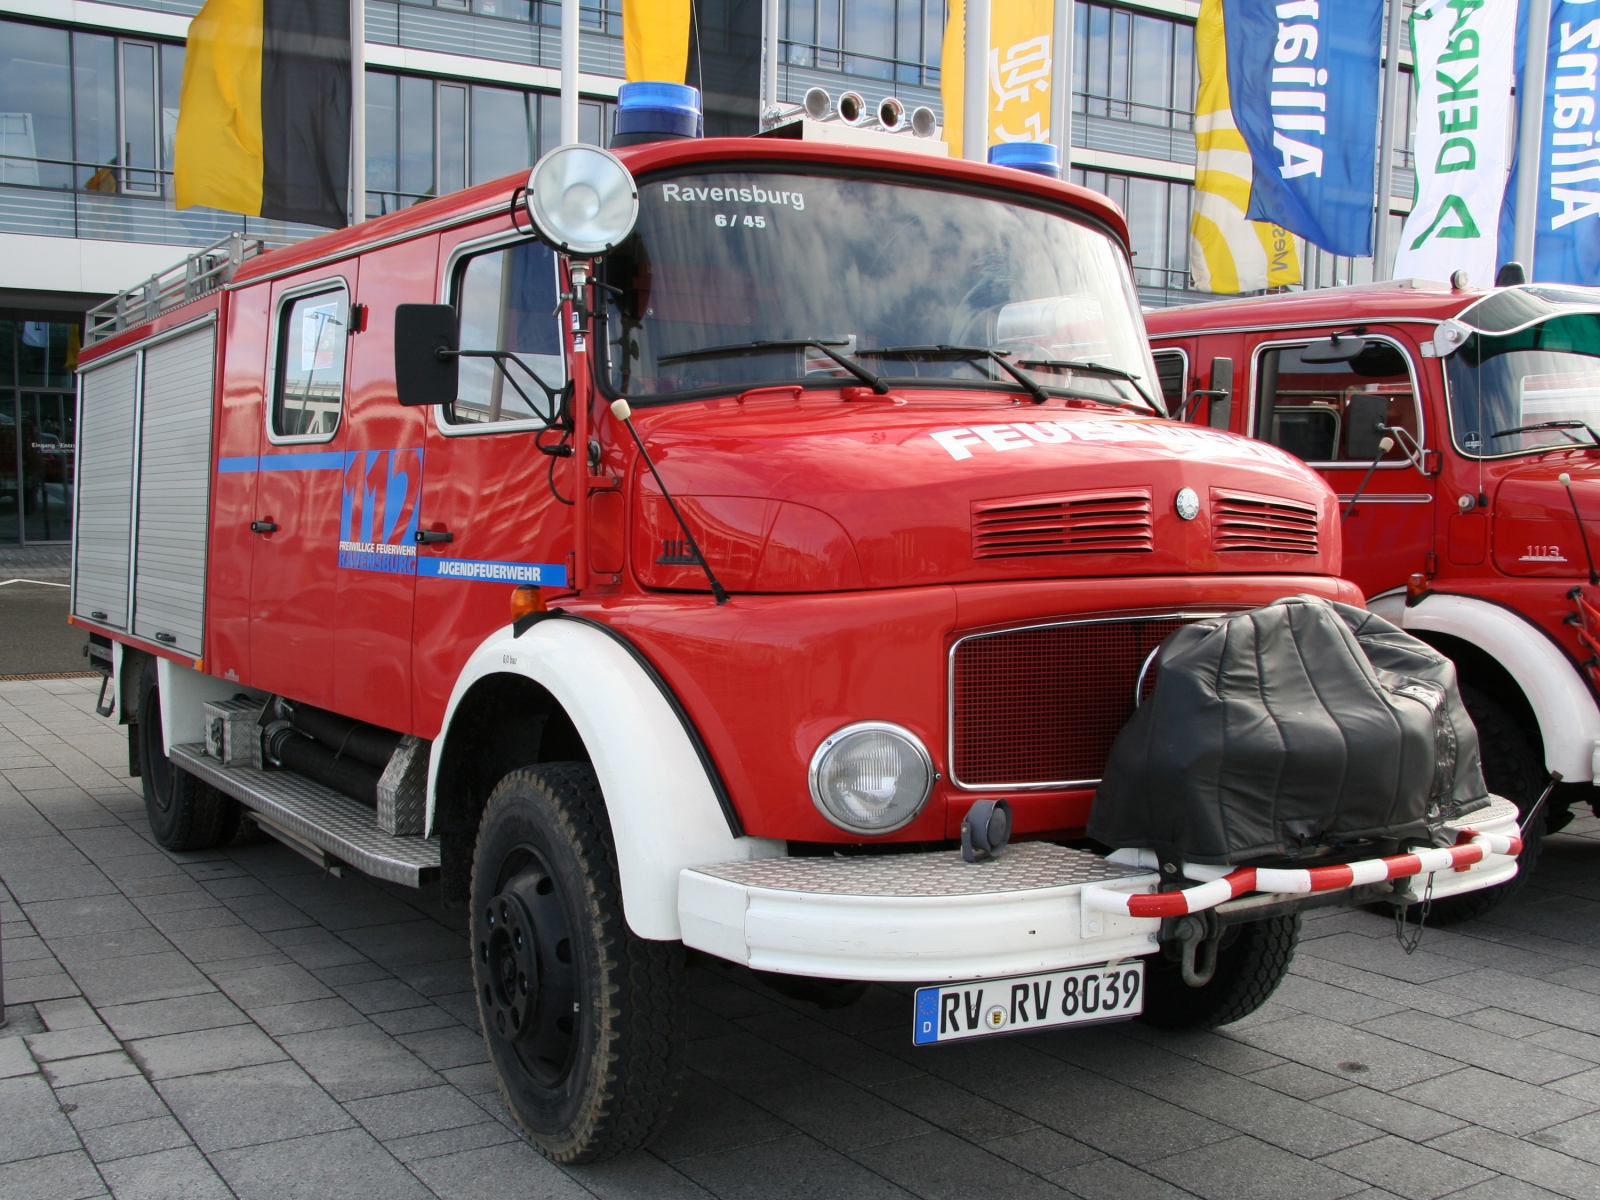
(152, 756)
(523, 958)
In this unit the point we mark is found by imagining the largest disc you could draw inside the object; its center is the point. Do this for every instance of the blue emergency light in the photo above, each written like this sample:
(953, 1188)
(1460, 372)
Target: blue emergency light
(1039, 157)
(649, 111)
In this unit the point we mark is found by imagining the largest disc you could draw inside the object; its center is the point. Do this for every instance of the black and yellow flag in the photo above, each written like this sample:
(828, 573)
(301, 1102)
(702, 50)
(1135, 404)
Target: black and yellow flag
(655, 40)
(264, 119)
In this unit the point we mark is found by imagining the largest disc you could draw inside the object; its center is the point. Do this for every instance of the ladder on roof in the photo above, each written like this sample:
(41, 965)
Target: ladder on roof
(202, 272)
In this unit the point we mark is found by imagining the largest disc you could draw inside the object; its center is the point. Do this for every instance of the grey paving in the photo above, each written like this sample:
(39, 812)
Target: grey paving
(236, 1024)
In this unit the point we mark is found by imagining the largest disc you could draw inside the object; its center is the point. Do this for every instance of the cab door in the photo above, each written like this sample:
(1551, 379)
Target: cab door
(299, 488)
(496, 510)
(1332, 413)
(381, 495)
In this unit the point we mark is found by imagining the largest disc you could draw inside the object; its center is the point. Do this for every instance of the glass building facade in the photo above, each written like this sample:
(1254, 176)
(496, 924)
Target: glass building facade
(88, 113)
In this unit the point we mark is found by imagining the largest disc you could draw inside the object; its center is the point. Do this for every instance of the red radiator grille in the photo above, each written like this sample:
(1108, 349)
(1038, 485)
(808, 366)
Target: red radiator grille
(1043, 705)
(1242, 521)
(1069, 523)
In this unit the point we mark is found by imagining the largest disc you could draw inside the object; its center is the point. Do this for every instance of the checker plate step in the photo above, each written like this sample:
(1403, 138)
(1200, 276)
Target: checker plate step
(337, 825)
(1022, 867)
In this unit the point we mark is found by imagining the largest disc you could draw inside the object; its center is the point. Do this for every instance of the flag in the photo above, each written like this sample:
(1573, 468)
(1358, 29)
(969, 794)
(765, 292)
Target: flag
(655, 40)
(264, 116)
(1019, 72)
(1227, 252)
(1304, 79)
(1465, 62)
(1567, 238)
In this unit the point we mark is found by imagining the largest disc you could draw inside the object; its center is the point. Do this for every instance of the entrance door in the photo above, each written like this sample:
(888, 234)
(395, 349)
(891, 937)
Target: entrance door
(299, 491)
(45, 433)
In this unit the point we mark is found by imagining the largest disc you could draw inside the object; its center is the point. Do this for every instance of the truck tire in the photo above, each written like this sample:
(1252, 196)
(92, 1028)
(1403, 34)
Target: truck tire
(1511, 768)
(585, 1021)
(185, 813)
(1253, 960)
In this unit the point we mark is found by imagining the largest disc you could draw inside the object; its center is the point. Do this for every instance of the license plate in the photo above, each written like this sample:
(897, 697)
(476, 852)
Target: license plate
(1024, 1002)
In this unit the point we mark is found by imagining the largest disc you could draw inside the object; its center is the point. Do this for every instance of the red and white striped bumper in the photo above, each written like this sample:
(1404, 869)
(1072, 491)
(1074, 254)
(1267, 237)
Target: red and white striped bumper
(1472, 848)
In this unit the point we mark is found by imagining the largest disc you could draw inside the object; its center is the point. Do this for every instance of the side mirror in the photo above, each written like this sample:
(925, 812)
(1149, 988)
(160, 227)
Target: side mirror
(1365, 422)
(422, 375)
(1222, 385)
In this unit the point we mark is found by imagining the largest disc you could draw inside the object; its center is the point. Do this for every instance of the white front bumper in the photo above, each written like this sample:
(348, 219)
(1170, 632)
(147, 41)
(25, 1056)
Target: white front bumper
(914, 918)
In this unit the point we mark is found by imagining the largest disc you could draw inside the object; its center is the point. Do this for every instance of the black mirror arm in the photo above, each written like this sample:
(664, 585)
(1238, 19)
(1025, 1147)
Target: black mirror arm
(1187, 409)
(553, 396)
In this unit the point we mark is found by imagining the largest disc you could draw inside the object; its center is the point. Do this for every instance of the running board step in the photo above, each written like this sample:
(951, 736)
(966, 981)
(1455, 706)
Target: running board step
(318, 817)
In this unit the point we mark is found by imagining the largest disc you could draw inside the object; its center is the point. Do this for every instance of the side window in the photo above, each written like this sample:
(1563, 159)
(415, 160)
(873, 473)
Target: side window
(310, 378)
(507, 300)
(1172, 370)
(1328, 411)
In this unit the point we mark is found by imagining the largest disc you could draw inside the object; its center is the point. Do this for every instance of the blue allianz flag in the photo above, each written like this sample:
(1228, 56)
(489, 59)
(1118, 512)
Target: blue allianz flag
(1567, 242)
(1304, 81)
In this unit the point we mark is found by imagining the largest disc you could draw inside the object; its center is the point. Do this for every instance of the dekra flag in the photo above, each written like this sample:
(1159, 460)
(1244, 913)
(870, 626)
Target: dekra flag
(264, 118)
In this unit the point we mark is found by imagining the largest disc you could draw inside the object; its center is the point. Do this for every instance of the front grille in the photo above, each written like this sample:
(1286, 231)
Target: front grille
(1245, 521)
(1064, 523)
(1042, 705)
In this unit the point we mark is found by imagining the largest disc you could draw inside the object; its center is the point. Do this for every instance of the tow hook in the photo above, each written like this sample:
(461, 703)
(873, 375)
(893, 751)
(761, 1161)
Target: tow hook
(1199, 936)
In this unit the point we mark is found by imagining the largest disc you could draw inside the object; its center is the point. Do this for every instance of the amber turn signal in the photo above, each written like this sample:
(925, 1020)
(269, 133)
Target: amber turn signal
(1416, 588)
(526, 599)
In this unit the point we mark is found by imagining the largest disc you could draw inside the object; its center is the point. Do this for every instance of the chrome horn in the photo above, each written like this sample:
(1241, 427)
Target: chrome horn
(852, 109)
(891, 114)
(924, 122)
(818, 104)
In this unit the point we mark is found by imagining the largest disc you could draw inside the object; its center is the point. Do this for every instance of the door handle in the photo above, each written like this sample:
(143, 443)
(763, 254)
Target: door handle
(428, 537)
(263, 527)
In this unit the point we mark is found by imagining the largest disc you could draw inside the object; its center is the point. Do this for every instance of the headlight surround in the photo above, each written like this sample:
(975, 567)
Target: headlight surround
(871, 777)
(581, 199)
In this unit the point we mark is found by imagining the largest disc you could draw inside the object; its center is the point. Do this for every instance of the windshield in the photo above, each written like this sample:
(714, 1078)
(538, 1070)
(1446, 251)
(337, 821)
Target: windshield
(1546, 372)
(892, 276)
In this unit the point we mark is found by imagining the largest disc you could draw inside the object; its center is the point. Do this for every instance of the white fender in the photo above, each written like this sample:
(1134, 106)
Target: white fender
(184, 694)
(1569, 721)
(664, 814)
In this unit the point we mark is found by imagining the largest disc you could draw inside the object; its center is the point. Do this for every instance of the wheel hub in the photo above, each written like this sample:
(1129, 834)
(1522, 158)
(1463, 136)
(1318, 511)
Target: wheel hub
(526, 978)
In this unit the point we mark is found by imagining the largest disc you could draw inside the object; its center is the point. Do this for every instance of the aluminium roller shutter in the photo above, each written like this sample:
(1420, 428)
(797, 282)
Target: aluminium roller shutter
(174, 491)
(106, 422)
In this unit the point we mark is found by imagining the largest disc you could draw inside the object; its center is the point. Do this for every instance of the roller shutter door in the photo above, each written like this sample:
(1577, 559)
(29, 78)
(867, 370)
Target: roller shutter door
(106, 422)
(174, 492)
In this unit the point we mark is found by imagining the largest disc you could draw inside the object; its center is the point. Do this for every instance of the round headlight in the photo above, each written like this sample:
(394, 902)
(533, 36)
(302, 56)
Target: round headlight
(872, 777)
(582, 199)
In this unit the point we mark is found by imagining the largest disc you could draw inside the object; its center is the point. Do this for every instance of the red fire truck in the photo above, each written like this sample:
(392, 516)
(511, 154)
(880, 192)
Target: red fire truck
(1458, 427)
(688, 547)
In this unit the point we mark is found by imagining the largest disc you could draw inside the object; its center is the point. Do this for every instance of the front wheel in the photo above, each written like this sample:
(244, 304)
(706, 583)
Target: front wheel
(585, 1021)
(1511, 769)
(185, 813)
(1251, 962)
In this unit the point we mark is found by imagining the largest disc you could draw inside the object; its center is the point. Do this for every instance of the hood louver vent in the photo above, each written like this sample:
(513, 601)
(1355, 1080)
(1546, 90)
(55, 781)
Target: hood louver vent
(1066, 523)
(1261, 524)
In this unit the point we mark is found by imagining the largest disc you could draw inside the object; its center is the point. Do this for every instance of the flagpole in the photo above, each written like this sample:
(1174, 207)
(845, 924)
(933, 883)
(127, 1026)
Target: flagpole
(1530, 92)
(773, 19)
(1391, 81)
(1062, 46)
(569, 72)
(975, 86)
(358, 111)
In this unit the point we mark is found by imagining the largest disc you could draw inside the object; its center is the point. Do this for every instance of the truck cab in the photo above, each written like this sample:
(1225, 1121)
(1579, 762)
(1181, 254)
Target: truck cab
(748, 545)
(1455, 425)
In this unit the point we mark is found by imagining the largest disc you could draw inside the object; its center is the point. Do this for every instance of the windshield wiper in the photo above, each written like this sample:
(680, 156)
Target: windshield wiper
(1093, 368)
(998, 357)
(867, 377)
(1542, 425)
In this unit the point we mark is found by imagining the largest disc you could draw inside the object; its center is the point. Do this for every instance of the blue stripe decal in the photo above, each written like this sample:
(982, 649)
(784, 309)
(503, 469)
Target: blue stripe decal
(326, 460)
(544, 574)
(236, 466)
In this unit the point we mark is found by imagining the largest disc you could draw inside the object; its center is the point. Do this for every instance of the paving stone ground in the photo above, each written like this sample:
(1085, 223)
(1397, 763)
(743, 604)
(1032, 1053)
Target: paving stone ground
(240, 1025)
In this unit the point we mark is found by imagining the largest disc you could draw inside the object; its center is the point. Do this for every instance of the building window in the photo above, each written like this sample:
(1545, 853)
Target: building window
(1160, 90)
(87, 111)
(897, 41)
(426, 137)
(600, 16)
(1158, 223)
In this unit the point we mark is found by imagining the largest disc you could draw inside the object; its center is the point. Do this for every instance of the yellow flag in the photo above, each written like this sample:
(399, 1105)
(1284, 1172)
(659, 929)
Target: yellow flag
(218, 145)
(1227, 253)
(655, 40)
(1018, 69)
